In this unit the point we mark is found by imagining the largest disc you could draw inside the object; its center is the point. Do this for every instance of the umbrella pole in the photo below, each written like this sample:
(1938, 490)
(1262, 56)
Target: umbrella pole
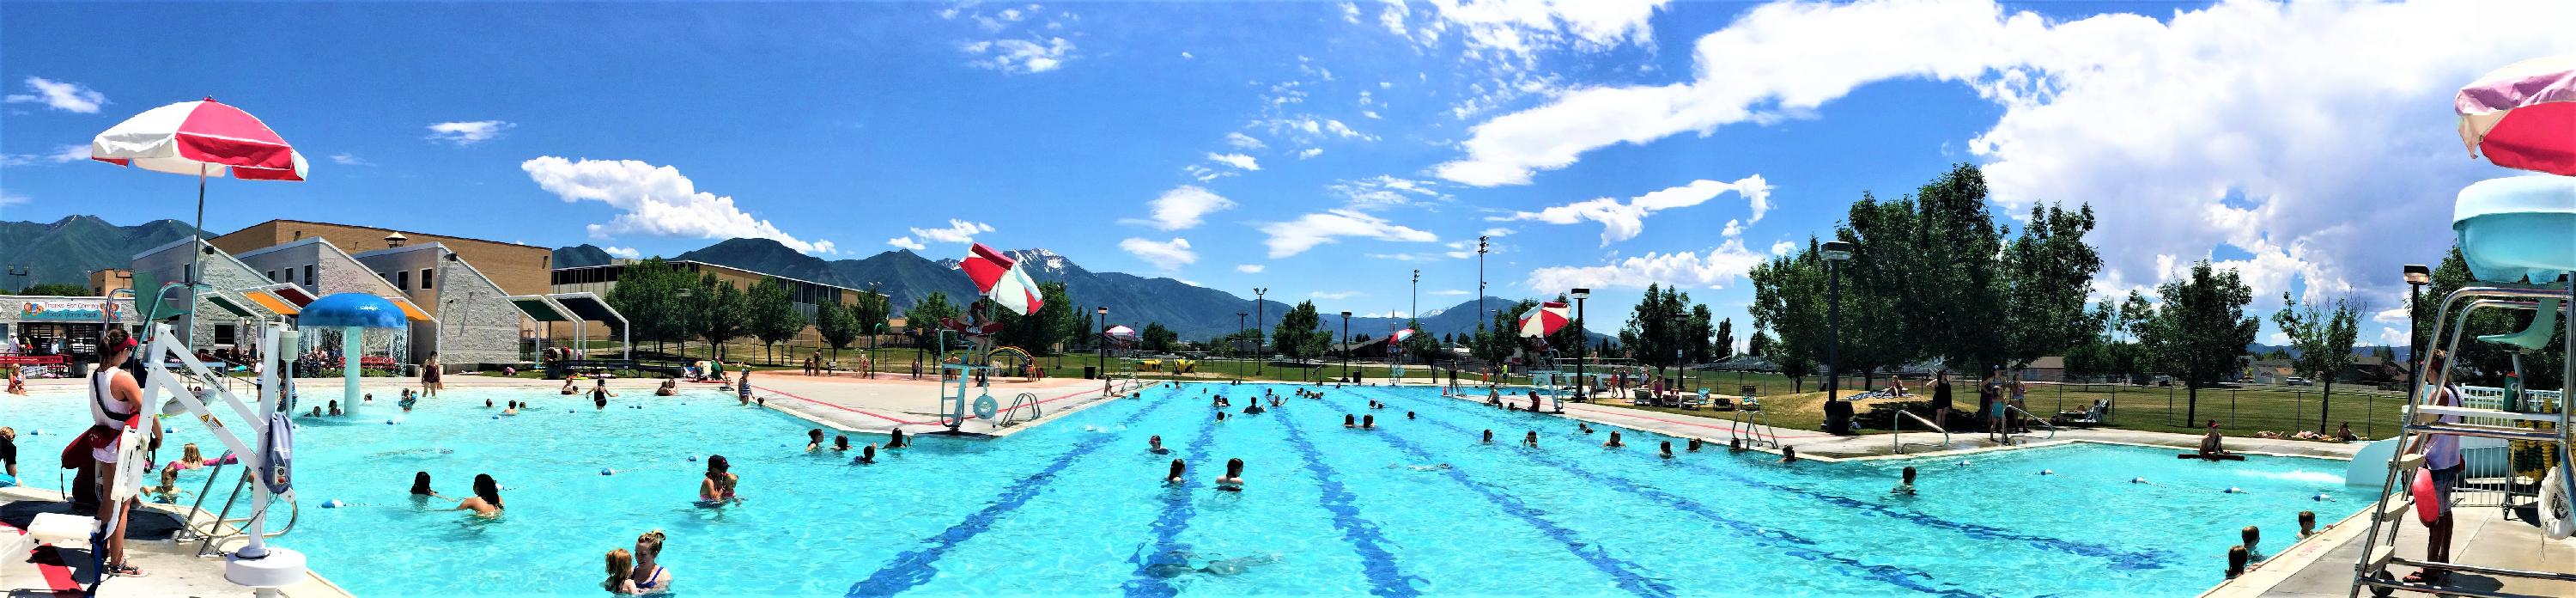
(196, 262)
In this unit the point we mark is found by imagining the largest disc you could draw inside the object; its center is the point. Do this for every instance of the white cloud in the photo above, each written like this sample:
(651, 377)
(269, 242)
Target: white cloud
(1309, 152)
(624, 252)
(958, 231)
(1186, 55)
(1310, 128)
(1296, 236)
(1242, 141)
(1164, 255)
(1781, 248)
(654, 200)
(8, 198)
(1623, 221)
(2158, 121)
(1350, 13)
(906, 243)
(1239, 161)
(1382, 191)
(1518, 29)
(468, 133)
(1337, 295)
(1496, 232)
(1250, 268)
(1450, 293)
(60, 95)
(64, 154)
(1184, 206)
(2391, 315)
(347, 159)
(1204, 174)
(1019, 56)
(1714, 269)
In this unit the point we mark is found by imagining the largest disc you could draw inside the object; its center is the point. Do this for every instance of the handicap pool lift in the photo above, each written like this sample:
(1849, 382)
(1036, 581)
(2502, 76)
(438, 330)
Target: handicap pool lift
(2514, 235)
(954, 400)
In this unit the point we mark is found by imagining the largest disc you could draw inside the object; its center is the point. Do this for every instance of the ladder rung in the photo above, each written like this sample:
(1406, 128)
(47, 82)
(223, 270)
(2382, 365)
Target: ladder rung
(2408, 462)
(2489, 413)
(2396, 506)
(2484, 432)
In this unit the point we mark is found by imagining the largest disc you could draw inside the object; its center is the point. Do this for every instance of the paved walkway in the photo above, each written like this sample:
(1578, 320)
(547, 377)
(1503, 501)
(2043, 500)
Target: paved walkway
(880, 406)
(2321, 565)
(172, 567)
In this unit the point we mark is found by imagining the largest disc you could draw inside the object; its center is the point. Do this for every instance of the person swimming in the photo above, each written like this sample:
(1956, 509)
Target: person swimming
(487, 402)
(867, 455)
(1788, 454)
(1220, 417)
(1667, 450)
(813, 440)
(1489, 436)
(1614, 441)
(1253, 409)
(1178, 468)
(1904, 487)
(513, 410)
(1408, 415)
(568, 388)
(599, 394)
(1530, 440)
(1693, 447)
(668, 388)
(840, 442)
(335, 408)
(620, 565)
(1349, 421)
(486, 501)
(408, 399)
(1368, 422)
(649, 576)
(719, 483)
(1583, 427)
(420, 485)
(897, 441)
(1155, 445)
(1233, 480)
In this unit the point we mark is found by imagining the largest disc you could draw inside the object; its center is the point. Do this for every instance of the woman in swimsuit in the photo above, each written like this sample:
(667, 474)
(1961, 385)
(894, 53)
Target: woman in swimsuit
(420, 486)
(649, 575)
(743, 389)
(114, 399)
(429, 384)
(599, 394)
(898, 441)
(486, 501)
(720, 481)
(1233, 480)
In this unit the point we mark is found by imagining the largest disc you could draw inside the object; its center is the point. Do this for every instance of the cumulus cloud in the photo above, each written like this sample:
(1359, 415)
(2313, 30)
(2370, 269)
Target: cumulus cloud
(2153, 121)
(906, 243)
(1019, 56)
(1242, 141)
(1296, 236)
(1715, 268)
(1184, 206)
(1514, 31)
(469, 132)
(1382, 191)
(1250, 268)
(1164, 255)
(60, 95)
(347, 159)
(1309, 152)
(10, 198)
(958, 231)
(1239, 161)
(654, 200)
(1336, 295)
(64, 154)
(624, 252)
(1621, 221)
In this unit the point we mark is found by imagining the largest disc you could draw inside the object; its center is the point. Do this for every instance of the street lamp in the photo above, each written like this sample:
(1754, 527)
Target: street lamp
(1104, 350)
(872, 349)
(1835, 253)
(1480, 284)
(1415, 312)
(1346, 345)
(1260, 357)
(1582, 343)
(1237, 347)
(2417, 275)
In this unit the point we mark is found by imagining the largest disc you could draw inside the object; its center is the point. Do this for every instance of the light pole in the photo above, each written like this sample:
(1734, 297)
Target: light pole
(1104, 350)
(1258, 354)
(1415, 312)
(872, 349)
(1238, 345)
(1582, 343)
(1835, 253)
(2417, 275)
(1480, 284)
(1346, 345)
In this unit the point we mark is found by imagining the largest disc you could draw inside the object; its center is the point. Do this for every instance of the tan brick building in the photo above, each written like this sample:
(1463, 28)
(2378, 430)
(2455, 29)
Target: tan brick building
(518, 269)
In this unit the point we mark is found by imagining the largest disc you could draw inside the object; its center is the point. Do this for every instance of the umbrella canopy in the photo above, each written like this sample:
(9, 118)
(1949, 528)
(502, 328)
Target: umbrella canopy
(1000, 279)
(1546, 320)
(352, 309)
(201, 137)
(2523, 115)
(1119, 331)
(1400, 335)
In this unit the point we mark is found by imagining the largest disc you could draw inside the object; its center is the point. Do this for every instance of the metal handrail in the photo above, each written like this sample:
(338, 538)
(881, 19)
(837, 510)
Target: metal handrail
(1898, 435)
(1750, 420)
(1029, 399)
(215, 532)
(2052, 427)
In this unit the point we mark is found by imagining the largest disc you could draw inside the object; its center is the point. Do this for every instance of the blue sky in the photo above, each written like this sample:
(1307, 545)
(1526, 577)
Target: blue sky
(1321, 149)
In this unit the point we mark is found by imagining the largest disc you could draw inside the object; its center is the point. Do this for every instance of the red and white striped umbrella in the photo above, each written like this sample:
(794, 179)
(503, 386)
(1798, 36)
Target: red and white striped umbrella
(2523, 115)
(1400, 335)
(1546, 320)
(1000, 278)
(205, 138)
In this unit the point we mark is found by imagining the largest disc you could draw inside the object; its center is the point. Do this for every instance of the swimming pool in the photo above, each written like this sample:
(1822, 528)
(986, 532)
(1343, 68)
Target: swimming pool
(1074, 507)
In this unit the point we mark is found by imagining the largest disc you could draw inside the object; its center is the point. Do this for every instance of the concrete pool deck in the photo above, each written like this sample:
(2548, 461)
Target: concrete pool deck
(171, 567)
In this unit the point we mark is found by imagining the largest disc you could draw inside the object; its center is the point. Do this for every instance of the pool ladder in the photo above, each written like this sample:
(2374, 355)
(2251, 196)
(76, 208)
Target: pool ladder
(2034, 420)
(1010, 417)
(2379, 547)
(214, 533)
(1898, 435)
(1750, 421)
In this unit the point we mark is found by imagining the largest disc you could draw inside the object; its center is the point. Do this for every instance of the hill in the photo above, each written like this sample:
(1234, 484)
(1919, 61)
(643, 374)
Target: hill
(580, 255)
(66, 250)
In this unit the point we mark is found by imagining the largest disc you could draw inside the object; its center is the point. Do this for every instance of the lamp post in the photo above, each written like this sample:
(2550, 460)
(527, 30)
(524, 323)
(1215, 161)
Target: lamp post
(872, 348)
(1415, 311)
(1582, 343)
(1835, 253)
(1104, 350)
(1481, 246)
(1260, 319)
(2417, 275)
(1346, 345)
(1238, 345)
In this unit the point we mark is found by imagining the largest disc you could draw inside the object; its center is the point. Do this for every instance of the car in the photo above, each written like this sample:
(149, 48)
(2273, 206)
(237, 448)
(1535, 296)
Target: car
(2296, 381)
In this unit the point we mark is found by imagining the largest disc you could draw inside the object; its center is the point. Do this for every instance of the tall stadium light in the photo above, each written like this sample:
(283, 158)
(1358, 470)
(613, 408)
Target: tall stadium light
(1836, 252)
(1260, 356)
(2417, 275)
(1346, 345)
(1481, 246)
(1582, 343)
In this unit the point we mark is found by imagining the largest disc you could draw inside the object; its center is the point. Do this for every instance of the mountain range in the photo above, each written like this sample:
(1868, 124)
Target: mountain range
(66, 250)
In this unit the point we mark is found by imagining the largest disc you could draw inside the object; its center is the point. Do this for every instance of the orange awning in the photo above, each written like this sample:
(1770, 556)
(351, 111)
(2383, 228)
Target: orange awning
(273, 304)
(410, 310)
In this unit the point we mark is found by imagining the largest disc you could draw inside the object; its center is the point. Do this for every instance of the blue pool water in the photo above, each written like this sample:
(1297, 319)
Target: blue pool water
(1074, 507)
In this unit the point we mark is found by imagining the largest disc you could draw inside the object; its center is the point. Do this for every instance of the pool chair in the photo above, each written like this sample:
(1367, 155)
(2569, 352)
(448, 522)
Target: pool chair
(2083, 419)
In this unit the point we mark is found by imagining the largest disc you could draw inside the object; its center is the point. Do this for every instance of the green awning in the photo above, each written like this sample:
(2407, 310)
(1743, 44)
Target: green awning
(540, 309)
(230, 305)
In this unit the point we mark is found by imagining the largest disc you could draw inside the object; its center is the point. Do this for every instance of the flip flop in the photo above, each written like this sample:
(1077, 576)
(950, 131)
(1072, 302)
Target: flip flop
(126, 570)
(2425, 576)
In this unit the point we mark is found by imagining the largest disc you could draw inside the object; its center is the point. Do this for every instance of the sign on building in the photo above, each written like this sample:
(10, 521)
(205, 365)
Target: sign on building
(70, 311)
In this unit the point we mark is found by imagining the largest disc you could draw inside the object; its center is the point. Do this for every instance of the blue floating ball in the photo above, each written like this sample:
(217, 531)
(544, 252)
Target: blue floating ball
(2321, 497)
(693, 458)
(38, 432)
(331, 504)
(2138, 480)
(389, 422)
(605, 471)
(2234, 490)
(2047, 472)
(169, 430)
(496, 417)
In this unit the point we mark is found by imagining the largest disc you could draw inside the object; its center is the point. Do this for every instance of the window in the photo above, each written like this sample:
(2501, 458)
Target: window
(272, 276)
(223, 334)
(402, 280)
(308, 275)
(424, 279)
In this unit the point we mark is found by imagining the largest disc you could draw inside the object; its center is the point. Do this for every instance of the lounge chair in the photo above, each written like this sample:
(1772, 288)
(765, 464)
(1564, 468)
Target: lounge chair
(2082, 419)
(1695, 401)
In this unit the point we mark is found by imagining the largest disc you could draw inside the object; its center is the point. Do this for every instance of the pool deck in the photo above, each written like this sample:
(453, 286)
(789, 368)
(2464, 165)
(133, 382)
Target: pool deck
(172, 567)
(880, 406)
(2321, 565)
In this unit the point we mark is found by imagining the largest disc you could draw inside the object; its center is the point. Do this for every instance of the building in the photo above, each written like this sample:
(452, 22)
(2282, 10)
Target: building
(518, 269)
(107, 282)
(454, 309)
(808, 295)
(39, 325)
(2045, 369)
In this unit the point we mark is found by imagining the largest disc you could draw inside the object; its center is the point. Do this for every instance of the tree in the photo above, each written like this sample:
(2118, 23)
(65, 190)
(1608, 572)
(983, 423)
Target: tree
(1422, 346)
(2048, 277)
(1501, 337)
(1951, 298)
(870, 311)
(1723, 346)
(1158, 339)
(1660, 330)
(648, 294)
(1874, 333)
(721, 312)
(1758, 345)
(1788, 301)
(926, 313)
(1040, 332)
(2200, 328)
(837, 326)
(1296, 335)
(55, 289)
(774, 318)
(2324, 340)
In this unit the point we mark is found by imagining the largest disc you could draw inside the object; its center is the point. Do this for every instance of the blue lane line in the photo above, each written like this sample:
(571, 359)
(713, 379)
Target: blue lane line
(1622, 571)
(1385, 579)
(1178, 508)
(917, 566)
(2119, 559)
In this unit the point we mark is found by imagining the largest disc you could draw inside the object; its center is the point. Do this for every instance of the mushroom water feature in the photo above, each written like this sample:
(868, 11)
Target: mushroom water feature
(352, 313)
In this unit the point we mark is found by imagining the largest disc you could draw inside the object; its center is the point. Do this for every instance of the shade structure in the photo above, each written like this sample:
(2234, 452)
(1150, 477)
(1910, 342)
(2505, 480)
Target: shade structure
(2523, 115)
(201, 137)
(1400, 335)
(352, 309)
(1547, 319)
(999, 278)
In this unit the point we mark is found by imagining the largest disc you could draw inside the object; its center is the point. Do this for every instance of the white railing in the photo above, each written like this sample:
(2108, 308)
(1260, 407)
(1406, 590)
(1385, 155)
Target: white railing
(1897, 436)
